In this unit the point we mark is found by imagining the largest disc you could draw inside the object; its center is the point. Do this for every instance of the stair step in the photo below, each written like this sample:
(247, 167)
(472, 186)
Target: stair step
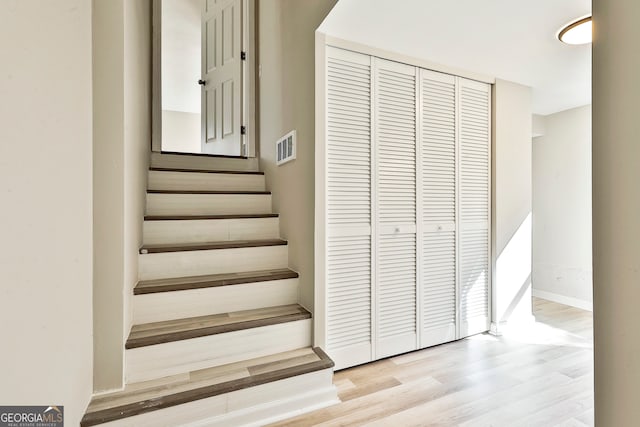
(203, 155)
(206, 192)
(210, 230)
(183, 329)
(211, 281)
(203, 162)
(235, 244)
(144, 398)
(195, 217)
(203, 180)
(162, 263)
(169, 299)
(186, 203)
(206, 171)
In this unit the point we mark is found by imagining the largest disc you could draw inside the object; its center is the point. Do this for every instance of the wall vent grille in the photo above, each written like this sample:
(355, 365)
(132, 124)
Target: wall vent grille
(286, 148)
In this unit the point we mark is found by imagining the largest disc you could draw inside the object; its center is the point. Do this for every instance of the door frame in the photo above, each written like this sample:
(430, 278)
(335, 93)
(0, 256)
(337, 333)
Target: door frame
(248, 77)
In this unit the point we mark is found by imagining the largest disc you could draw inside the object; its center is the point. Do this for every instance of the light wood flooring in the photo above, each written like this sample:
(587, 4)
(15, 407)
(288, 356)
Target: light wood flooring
(541, 375)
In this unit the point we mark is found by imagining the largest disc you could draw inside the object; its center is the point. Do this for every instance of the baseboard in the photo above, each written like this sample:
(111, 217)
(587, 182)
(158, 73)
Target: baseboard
(562, 299)
(501, 328)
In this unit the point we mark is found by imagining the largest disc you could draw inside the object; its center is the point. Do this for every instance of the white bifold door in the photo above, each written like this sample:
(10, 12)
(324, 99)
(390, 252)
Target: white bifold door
(404, 213)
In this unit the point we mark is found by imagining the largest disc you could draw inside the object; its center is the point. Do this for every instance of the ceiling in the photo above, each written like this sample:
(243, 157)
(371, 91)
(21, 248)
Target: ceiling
(508, 39)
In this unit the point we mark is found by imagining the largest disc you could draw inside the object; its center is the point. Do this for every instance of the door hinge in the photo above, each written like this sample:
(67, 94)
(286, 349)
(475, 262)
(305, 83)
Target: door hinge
(243, 55)
(243, 130)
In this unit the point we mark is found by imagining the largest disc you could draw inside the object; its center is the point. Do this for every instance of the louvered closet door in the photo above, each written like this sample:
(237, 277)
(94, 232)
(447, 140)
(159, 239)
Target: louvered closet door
(437, 187)
(395, 207)
(475, 197)
(348, 268)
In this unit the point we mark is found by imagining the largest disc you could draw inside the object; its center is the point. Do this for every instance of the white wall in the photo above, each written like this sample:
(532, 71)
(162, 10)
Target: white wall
(137, 138)
(181, 131)
(616, 211)
(46, 215)
(562, 208)
(108, 184)
(511, 209)
(286, 102)
(181, 69)
(121, 111)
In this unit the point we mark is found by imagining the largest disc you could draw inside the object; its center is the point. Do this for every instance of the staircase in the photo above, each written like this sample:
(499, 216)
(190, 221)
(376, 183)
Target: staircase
(218, 337)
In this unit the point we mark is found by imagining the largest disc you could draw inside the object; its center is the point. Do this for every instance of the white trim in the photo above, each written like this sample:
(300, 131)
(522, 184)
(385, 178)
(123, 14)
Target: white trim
(406, 59)
(562, 299)
(419, 214)
(375, 229)
(249, 78)
(458, 225)
(156, 76)
(320, 234)
(248, 92)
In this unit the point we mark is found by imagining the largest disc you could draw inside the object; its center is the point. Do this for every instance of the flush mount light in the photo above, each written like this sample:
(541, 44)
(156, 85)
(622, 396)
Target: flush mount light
(577, 32)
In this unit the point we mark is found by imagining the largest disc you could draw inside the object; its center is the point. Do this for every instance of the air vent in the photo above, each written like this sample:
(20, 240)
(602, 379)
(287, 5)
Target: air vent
(286, 148)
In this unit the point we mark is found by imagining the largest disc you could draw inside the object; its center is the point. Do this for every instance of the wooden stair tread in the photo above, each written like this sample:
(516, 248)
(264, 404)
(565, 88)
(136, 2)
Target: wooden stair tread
(196, 217)
(211, 281)
(168, 169)
(231, 244)
(223, 156)
(140, 398)
(209, 192)
(181, 329)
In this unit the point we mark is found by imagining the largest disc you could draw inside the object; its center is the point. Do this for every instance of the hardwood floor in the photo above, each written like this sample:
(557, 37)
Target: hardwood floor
(536, 376)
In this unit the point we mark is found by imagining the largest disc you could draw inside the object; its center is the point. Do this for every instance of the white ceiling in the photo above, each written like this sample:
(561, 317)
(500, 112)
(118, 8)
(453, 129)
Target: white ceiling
(508, 39)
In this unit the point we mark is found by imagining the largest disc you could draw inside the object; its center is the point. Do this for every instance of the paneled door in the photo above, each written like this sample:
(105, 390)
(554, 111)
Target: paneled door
(221, 77)
(395, 307)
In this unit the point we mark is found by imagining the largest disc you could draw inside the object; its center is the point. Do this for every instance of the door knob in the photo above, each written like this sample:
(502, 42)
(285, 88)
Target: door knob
(202, 82)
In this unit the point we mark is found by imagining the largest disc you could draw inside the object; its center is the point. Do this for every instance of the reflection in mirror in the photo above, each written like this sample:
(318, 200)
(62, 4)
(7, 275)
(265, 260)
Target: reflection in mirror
(181, 52)
(205, 86)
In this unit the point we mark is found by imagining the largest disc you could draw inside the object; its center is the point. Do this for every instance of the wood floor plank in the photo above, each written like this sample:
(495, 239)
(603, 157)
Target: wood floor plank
(541, 374)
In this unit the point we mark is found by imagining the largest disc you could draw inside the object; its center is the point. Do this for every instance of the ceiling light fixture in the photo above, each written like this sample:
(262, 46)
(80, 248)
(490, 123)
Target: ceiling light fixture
(577, 32)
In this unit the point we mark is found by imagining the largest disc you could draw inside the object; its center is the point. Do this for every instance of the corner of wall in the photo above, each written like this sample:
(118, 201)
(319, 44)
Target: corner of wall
(511, 210)
(286, 96)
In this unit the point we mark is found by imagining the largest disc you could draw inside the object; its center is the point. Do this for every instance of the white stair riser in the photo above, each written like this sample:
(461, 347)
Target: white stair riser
(223, 299)
(161, 360)
(211, 230)
(207, 204)
(217, 261)
(203, 162)
(164, 180)
(252, 406)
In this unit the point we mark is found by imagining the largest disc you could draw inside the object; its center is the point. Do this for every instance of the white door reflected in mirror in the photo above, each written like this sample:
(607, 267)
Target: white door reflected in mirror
(202, 74)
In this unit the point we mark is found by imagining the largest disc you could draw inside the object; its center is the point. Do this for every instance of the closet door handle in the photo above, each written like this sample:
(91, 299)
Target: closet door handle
(202, 82)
